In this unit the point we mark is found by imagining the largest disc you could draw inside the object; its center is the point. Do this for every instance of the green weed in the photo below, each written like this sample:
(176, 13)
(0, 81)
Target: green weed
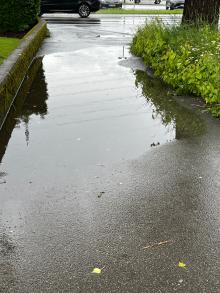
(185, 57)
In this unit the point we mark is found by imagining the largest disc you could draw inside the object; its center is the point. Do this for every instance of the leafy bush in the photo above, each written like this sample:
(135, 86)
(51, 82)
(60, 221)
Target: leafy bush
(185, 57)
(19, 15)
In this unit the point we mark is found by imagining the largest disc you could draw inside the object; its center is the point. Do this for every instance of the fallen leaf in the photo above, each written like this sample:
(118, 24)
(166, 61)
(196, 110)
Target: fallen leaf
(181, 264)
(96, 271)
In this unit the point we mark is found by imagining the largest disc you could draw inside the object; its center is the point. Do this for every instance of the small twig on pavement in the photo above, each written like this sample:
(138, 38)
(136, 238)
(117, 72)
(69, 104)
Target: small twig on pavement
(158, 244)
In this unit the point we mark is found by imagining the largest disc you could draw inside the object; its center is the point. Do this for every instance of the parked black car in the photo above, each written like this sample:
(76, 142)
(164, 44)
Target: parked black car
(174, 4)
(83, 7)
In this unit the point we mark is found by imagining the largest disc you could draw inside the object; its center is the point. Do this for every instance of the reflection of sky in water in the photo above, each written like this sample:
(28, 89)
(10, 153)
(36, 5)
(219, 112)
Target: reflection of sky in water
(90, 111)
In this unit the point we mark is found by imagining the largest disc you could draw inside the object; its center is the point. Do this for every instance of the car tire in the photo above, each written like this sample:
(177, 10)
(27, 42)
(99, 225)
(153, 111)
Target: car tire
(84, 10)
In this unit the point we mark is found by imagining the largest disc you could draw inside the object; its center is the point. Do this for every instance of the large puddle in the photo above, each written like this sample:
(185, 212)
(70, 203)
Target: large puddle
(91, 112)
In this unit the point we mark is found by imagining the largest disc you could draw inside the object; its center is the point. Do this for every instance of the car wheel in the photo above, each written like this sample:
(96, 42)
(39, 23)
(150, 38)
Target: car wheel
(84, 10)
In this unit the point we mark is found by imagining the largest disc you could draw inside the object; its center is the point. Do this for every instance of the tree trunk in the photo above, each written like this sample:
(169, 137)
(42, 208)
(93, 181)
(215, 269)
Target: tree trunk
(201, 11)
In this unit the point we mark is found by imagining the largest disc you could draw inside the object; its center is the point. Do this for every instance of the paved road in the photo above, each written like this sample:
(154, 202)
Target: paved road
(103, 162)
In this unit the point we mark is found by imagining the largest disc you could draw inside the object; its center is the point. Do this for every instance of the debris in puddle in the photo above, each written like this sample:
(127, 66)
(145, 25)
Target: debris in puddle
(181, 264)
(98, 36)
(2, 181)
(158, 244)
(101, 193)
(155, 144)
(200, 177)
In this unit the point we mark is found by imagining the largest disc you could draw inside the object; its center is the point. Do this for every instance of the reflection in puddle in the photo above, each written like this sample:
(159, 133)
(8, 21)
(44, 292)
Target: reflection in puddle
(28, 102)
(100, 112)
(186, 122)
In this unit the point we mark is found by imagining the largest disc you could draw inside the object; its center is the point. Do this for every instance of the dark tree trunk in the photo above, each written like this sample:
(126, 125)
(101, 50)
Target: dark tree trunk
(201, 11)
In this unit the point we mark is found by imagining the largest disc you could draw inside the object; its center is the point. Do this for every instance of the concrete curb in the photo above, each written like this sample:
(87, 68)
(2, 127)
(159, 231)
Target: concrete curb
(15, 67)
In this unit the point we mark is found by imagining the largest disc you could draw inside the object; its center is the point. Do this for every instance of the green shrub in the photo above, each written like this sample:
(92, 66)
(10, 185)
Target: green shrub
(18, 15)
(185, 57)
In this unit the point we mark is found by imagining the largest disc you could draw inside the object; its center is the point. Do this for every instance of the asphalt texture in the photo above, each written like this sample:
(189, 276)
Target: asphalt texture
(106, 168)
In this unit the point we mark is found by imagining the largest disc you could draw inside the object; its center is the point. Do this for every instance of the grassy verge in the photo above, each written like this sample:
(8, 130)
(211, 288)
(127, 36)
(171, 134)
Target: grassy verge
(7, 45)
(187, 58)
(137, 11)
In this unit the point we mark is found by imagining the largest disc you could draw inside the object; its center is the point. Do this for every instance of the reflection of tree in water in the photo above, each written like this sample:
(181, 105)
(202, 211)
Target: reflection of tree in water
(188, 123)
(28, 102)
(35, 102)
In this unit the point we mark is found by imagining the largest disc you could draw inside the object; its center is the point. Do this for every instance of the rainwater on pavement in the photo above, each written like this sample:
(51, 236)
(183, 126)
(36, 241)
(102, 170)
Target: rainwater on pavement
(103, 166)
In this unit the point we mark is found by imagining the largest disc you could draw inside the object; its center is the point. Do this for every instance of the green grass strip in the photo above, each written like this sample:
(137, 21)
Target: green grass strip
(7, 45)
(137, 11)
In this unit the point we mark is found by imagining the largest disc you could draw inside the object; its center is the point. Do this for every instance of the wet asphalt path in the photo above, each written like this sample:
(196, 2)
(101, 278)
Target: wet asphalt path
(103, 162)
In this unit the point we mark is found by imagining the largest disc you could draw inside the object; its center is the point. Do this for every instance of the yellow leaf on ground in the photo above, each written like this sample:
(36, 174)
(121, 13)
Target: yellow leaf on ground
(181, 264)
(96, 271)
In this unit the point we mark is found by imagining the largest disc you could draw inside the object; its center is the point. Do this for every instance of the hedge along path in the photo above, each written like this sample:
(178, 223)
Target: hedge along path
(14, 69)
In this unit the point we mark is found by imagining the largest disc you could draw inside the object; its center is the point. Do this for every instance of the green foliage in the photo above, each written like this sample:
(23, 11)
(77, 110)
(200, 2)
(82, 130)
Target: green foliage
(6, 46)
(185, 57)
(19, 15)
